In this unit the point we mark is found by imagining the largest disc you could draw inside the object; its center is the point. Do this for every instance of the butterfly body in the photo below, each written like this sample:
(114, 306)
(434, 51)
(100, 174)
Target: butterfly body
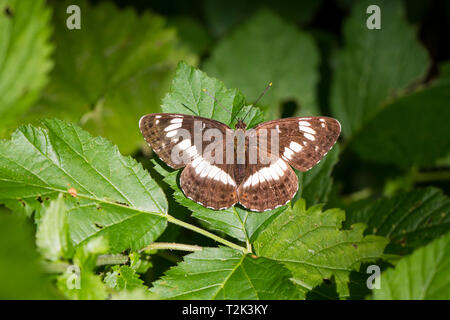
(251, 167)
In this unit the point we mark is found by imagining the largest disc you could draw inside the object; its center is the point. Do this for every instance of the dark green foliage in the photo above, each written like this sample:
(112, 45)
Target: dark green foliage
(110, 221)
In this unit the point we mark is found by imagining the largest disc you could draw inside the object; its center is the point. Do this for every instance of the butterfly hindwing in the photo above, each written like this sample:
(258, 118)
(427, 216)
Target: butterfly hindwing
(267, 186)
(211, 185)
(303, 141)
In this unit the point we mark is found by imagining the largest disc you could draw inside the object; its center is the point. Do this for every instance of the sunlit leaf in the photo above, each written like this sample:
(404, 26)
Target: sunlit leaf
(52, 235)
(223, 274)
(313, 246)
(106, 193)
(110, 72)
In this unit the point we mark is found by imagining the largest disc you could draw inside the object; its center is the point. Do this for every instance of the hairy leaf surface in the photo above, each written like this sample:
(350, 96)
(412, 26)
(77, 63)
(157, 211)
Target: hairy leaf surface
(409, 220)
(422, 275)
(106, 193)
(224, 274)
(313, 246)
(111, 71)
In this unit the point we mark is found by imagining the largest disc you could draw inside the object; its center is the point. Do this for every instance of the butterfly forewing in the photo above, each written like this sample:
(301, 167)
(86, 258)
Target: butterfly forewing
(207, 182)
(303, 141)
(162, 131)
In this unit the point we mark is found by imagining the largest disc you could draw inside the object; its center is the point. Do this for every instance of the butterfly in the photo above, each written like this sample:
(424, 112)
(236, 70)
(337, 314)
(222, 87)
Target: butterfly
(257, 183)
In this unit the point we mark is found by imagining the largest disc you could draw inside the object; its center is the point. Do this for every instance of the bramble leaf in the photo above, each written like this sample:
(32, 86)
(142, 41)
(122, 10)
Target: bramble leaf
(24, 57)
(123, 278)
(21, 274)
(266, 49)
(409, 220)
(110, 72)
(186, 96)
(79, 281)
(106, 193)
(52, 235)
(224, 273)
(421, 275)
(315, 184)
(191, 33)
(413, 130)
(313, 246)
(224, 15)
(375, 64)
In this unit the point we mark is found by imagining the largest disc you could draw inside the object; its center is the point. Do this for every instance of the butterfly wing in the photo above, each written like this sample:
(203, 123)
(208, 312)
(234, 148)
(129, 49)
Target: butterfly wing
(211, 185)
(267, 186)
(303, 141)
(164, 133)
(205, 181)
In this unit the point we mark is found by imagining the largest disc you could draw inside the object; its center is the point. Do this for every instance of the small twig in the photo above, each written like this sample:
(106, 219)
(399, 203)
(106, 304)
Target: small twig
(206, 234)
(431, 176)
(102, 260)
(106, 259)
(172, 246)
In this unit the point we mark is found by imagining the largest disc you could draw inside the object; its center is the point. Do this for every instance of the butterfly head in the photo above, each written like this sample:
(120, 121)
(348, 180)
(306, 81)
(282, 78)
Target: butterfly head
(240, 124)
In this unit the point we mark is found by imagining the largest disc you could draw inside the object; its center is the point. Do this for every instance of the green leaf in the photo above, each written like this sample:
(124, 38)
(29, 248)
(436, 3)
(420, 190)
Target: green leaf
(79, 280)
(192, 33)
(413, 130)
(409, 220)
(106, 193)
(422, 275)
(374, 64)
(52, 235)
(186, 96)
(266, 49)
(224, 273)
(138, 263)
(109, 73)
(135, 294)
(224, 15)
(123, 278)
(24, 57)
(316, 183)
(444, 71)
(238, 223)
(21, 275)
(313, 246)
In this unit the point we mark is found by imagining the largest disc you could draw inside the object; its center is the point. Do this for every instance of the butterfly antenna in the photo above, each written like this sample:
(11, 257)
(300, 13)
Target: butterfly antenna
(217, 101)
(257, 100)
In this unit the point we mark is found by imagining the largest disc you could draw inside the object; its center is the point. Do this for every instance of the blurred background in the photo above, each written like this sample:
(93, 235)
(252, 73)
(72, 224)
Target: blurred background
(389, 88)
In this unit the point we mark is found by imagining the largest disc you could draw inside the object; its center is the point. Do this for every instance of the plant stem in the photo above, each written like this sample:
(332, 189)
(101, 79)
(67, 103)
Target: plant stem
(206, 233)
(172, 246)
(105, 259)
(102, 260)
(431, 176)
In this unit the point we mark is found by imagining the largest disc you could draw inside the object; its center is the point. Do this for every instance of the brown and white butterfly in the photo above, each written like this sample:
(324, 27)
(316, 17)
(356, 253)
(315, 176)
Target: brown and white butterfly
(303, 142)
